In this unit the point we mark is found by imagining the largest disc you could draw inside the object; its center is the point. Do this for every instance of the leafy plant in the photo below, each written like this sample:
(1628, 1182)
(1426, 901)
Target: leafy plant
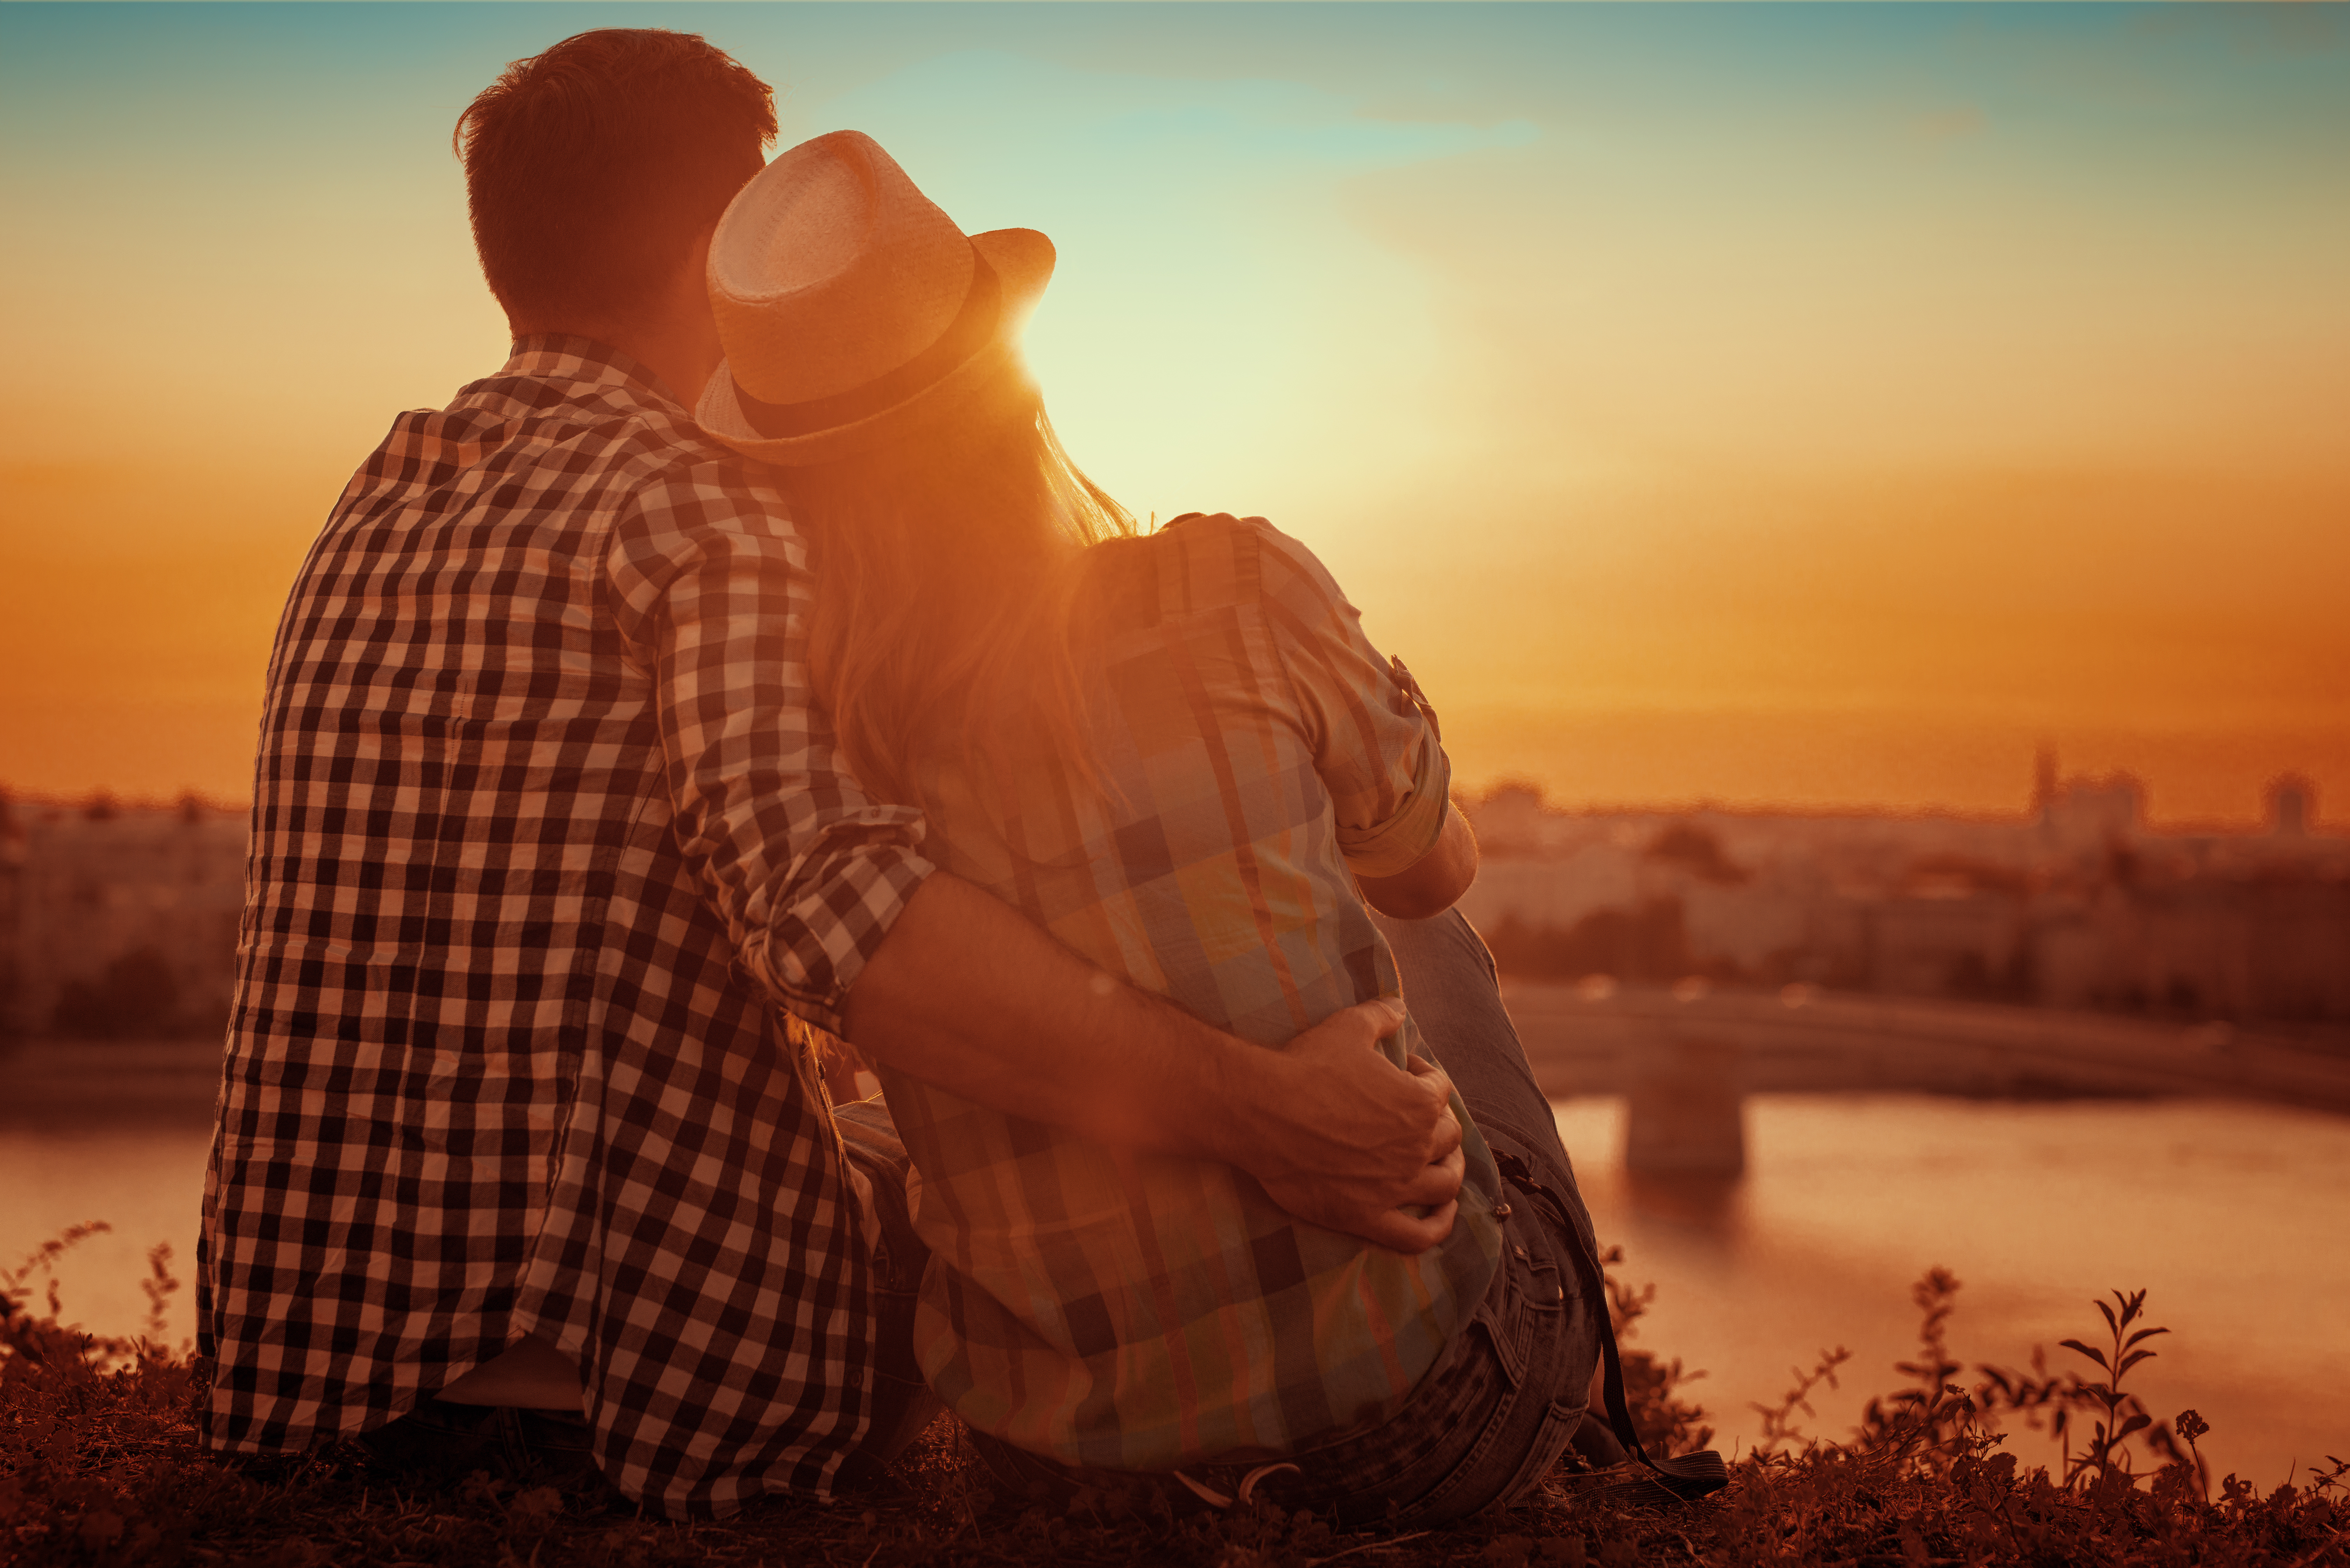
(1779, 1429)
(43, 1261)
(2114, 1414)
(1935, 1419)
(1667, 1423)
(2123, 1414)
(100, 1468)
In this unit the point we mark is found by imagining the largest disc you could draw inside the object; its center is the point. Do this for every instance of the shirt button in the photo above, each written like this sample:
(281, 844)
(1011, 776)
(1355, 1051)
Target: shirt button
(1521, 1252)
(1501, 1212)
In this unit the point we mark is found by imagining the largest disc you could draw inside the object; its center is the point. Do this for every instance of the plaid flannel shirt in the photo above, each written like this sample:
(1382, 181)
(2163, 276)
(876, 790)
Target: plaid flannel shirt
(1255, 755)
(544, 826)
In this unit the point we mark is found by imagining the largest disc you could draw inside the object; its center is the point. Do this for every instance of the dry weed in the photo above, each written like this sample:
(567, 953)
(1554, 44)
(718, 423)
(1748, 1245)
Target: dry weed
(99, 1466)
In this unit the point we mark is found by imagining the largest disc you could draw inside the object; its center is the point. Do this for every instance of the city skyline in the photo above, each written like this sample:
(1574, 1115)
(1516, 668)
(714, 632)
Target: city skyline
(1809, 407)
(2289, 802)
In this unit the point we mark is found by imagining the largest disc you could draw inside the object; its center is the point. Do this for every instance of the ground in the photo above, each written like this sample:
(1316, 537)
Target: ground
(100, 1465)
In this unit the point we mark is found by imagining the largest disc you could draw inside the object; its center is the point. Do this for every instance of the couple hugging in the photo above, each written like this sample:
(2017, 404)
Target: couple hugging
(742, 663)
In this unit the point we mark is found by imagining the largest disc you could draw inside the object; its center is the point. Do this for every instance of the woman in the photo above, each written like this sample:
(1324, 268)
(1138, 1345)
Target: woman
(1179, 754)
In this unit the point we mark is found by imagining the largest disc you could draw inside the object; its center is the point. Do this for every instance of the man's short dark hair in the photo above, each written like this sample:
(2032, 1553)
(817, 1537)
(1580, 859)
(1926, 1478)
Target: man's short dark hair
(591, 169)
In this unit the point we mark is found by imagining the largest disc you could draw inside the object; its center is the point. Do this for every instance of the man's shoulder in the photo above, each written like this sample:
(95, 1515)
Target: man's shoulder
(685, 484)
(551, 436)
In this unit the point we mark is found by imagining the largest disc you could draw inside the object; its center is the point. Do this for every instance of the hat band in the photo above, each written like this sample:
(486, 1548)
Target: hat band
(966, 334)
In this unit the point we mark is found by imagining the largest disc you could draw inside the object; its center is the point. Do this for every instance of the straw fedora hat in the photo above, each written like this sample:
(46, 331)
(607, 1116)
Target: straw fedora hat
(855, 314)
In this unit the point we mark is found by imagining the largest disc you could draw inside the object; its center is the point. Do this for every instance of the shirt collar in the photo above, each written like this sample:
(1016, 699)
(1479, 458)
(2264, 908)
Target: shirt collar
(558, 357)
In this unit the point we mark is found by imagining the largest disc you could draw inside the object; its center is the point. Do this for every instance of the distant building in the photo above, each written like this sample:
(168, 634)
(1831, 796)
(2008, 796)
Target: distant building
(1554, 890)
(12, 911)
(1510, 820)
(118, 918)
(2090, 814)
(128, 912)
(2077, 904)
(2293, 803)
(1946, 942)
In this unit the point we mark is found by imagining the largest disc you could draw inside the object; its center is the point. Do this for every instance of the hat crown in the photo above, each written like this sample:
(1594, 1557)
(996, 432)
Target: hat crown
(831, 269)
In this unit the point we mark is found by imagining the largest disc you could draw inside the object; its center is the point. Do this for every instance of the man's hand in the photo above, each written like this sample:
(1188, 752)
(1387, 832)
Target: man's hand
(967, 995)
(1342, 1139)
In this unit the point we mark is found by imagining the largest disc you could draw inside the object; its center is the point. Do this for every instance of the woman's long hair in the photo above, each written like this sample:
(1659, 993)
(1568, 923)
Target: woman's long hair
(948, 565)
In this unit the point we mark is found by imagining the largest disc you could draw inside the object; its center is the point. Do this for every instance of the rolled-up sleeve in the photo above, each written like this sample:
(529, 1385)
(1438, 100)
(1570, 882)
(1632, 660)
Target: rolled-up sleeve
(1374, 736)
(710, 587)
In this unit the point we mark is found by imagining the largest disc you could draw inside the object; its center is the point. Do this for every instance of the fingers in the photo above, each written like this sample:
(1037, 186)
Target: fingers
(1444, 1138)
(1377, 1018)
(1437, 1182)
(1349, 1210)
(1358, 1028)
(1399, 1232)
(1432, 1077)
(1359, 1139)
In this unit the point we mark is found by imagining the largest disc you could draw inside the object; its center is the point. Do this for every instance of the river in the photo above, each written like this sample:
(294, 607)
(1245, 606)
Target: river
(2234, 1218)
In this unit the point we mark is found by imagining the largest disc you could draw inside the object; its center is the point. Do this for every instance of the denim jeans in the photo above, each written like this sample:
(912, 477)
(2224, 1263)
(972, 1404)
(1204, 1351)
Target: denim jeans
(903, 1404)
(1502, 1405)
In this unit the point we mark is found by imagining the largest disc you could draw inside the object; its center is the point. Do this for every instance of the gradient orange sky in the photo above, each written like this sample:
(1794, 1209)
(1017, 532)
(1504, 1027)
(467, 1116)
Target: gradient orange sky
(1815, 406)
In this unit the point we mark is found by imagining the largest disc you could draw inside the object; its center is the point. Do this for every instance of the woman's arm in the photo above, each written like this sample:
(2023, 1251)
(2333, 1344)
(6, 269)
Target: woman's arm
(1377, 747)
(1433, 883)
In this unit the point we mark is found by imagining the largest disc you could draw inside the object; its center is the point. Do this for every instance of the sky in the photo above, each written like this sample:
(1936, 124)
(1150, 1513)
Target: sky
(1787, 405)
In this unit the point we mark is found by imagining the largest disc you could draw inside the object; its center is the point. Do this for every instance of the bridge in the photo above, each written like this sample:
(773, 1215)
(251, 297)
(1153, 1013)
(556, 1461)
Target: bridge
(1684, 1057)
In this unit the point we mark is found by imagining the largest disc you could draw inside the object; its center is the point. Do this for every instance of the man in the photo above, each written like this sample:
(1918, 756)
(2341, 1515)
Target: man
(546, 836)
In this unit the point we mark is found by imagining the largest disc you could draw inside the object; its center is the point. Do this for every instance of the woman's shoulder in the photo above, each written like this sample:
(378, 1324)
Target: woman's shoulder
(1203, 560)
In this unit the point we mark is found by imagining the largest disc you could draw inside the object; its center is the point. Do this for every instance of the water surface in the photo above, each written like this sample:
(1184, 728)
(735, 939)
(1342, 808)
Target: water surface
(2236, 1218)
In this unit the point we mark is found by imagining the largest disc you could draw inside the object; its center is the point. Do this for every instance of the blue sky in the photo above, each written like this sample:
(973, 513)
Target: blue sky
(1973, 370)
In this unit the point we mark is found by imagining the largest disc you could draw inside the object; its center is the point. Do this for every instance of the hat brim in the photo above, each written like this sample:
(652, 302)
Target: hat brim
(1023, 260)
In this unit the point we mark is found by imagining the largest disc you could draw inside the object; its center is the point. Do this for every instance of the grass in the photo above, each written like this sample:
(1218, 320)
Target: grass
(99, 1465)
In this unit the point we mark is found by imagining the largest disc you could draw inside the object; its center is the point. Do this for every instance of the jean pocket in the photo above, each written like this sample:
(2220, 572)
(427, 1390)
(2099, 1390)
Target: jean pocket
(1455, 1475)
(1558, 1428)
(1545, 1293)
(1503, 1325)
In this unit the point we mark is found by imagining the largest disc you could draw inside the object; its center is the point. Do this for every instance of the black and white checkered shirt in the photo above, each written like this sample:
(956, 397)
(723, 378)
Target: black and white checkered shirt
(544, 828)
